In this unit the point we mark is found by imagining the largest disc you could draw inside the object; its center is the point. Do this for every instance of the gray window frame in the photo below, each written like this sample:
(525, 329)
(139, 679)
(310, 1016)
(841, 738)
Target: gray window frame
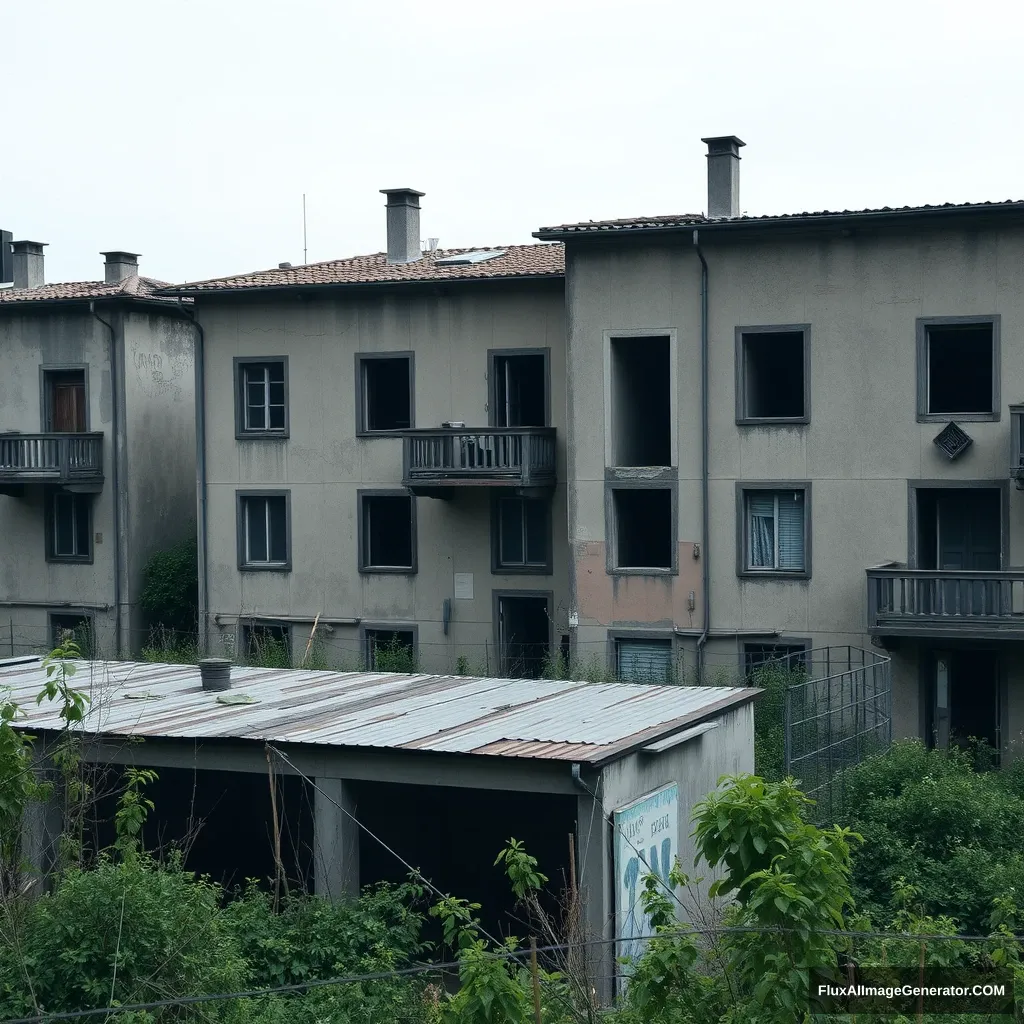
(77, 613)
(800, 642)
(493, 355)
(1000, 485)
(242, 433)
(49, 519)
(44, 402)
(240, 498)
(499, 568)
(377, 626)
(922, 324)
(362, 358)
(616, 635)
(385, 492)
(667, 480)
(743, 418)
(742, 569)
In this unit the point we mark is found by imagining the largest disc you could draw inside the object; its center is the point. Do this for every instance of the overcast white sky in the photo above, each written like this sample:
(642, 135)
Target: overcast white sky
(189, 130)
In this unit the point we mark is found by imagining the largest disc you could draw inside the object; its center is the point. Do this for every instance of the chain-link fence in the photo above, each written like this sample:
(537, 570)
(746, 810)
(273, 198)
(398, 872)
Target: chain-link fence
(840, 715)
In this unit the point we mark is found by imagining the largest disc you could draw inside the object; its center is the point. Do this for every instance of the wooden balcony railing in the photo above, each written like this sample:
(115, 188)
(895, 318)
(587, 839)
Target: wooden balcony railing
(64, 459)
(483, 457)
(929, 602)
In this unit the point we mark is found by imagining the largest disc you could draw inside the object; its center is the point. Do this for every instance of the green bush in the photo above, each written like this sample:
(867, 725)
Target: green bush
(170, 588)
(931, 817)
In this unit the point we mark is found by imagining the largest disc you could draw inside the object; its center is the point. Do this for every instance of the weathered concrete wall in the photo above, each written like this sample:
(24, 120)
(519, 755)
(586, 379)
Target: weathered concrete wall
(323, 464)
(159, 390)
(861, 297)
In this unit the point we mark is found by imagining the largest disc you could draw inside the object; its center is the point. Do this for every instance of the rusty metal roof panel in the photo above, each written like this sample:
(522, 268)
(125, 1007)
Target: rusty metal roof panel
(530, 718)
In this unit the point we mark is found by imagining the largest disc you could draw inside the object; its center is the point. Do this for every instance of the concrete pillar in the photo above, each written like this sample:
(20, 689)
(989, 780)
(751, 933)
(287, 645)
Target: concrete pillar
(335, 841)
(594, 879)
(42, 826)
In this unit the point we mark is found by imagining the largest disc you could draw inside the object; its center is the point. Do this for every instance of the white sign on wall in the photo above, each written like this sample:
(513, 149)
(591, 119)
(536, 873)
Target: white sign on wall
(463, 586)
(646, 842)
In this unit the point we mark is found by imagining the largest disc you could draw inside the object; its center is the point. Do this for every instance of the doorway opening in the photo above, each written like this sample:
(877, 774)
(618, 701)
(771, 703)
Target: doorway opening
(524, 635)
(64, 411)
(519, 390)
(965, 697)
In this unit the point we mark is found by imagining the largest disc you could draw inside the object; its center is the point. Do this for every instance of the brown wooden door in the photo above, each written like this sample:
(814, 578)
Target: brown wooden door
(66, 403)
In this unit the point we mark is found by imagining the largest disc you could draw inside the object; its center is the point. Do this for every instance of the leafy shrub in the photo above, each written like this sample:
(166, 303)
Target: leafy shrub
(930, 816)
(170, 588)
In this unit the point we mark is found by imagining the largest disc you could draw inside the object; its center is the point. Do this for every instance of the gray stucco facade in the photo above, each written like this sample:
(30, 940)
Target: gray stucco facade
(132, 362)
(327, 466)
(857, 451)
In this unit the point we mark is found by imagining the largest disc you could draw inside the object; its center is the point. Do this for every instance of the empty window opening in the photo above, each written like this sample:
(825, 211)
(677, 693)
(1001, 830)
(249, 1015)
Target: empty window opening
(641, 396)
(524, 636)
(773, 375)
(263, 397)
(644, 661)
(387, 541)
(760, 658)
(386, 399)
(77, 628)
(267, 645)
(960, 368)
(65, 401)
(643, 528)
(775, 536)
(265, 530)
(390, 650)
(520, 391)
(522, 533)
(70, 535)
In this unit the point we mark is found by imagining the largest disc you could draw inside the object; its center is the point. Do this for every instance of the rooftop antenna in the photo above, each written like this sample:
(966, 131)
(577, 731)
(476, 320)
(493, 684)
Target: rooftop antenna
(305, 259)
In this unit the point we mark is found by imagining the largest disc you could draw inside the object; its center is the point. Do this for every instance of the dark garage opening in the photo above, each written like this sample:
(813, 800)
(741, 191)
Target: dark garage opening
(524, 636)
(454, 835)
(223, 822)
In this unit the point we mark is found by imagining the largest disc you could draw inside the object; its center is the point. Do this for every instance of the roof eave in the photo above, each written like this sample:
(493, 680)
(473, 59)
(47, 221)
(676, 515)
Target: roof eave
(425, 282)
(813, 223)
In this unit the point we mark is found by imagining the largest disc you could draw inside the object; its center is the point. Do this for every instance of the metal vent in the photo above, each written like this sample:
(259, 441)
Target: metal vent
(952, 441)
(468, 258)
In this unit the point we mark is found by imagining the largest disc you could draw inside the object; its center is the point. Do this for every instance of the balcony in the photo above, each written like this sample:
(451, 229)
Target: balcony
(945, 604)
(73, 461)
(440, 459)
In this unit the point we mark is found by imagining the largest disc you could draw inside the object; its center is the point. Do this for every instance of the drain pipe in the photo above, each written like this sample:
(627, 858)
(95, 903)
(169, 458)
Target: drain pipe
(705, 470)
(201, 538)
(115, 418)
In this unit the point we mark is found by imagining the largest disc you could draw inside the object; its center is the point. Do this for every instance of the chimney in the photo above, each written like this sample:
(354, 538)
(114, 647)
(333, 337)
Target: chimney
(723, 176)
(27, 264)
(6, 270)
(403, 208)
(215, 673)
(119, 266)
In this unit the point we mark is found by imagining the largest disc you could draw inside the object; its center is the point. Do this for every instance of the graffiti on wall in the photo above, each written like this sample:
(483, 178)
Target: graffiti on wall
(646, 841)
(159, 373)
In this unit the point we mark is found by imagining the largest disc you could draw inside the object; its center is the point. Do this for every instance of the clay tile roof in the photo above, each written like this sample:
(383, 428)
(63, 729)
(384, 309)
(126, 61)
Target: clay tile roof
(68, 291)
(522, 261)
(689, 220)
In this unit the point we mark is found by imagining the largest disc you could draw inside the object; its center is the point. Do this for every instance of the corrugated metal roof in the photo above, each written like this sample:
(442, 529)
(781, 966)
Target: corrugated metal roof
(528, 718)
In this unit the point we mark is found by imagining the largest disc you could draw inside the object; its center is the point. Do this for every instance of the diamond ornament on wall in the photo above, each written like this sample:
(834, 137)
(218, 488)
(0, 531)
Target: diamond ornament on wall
(953, 441)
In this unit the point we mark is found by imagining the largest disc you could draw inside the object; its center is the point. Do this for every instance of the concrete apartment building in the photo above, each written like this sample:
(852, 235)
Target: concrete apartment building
(800, 431)
(97, 448)
(384, 455)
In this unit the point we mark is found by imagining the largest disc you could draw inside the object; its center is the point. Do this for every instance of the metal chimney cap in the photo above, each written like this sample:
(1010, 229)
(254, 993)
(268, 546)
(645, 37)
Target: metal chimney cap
(36, 248)
(121, 256)
(719, 145)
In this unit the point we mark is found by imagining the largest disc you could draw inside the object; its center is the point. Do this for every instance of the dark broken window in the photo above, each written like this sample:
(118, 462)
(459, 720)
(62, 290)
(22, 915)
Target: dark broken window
(267, 644)
(387, 543)
(72, 627)
(385, 393)
(69, 538)
(641, 397)
(960, 368)
(390, 650)
(520, 390)
(643, 528)
(773, 375)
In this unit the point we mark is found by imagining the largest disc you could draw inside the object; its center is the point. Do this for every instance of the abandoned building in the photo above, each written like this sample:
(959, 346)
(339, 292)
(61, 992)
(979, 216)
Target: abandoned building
(384, 454)
(440, 770)
(97, 448)
(800, 432)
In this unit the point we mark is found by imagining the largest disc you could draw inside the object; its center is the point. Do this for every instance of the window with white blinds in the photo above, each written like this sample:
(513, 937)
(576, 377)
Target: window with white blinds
(775, 531)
